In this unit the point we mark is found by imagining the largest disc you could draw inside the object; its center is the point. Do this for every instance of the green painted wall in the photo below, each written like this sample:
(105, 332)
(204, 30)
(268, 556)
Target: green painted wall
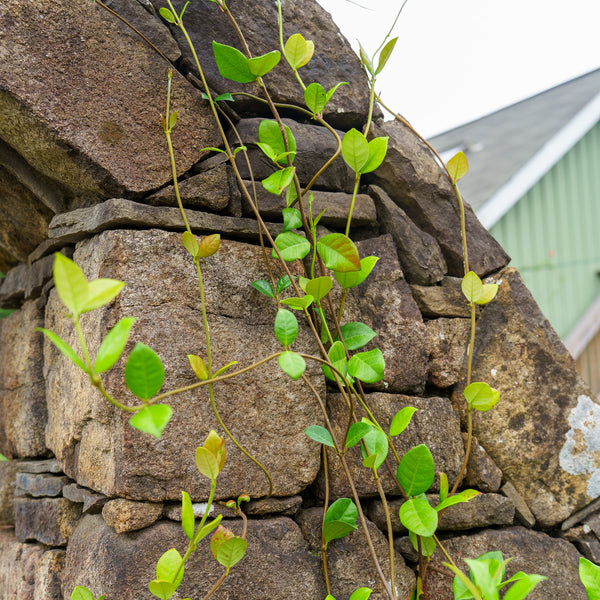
(553, 235)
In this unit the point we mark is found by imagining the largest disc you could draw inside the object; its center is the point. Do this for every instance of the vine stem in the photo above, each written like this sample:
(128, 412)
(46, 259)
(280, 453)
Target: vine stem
(325, 506)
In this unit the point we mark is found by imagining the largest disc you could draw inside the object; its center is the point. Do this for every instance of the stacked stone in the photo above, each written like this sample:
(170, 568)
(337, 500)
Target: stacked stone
(86, 499)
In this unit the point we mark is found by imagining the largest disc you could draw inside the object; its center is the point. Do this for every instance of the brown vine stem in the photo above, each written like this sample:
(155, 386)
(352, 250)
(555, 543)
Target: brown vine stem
(325, 506)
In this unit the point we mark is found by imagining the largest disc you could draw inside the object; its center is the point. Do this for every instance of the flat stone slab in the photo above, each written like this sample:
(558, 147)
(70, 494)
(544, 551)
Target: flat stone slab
(125, 515)
(40, 485)
(448, 341)
(440, 301)
(8, 476)
(49, 465)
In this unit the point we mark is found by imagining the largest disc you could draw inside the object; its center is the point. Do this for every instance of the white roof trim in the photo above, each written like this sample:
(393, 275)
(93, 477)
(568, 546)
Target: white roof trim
(587, 327)
(539, 164)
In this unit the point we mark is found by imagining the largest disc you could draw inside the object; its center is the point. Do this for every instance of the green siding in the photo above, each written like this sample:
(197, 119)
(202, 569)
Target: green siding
(553, 235)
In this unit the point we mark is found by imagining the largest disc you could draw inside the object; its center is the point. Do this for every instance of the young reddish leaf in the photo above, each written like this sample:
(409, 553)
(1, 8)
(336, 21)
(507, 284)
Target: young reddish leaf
(220, 536)
(338, 253)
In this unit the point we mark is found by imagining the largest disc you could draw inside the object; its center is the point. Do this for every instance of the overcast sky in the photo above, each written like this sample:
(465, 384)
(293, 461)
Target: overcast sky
(457, 60)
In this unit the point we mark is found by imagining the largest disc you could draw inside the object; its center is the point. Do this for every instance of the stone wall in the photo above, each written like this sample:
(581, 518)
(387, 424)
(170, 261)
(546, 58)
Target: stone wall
(86, 499)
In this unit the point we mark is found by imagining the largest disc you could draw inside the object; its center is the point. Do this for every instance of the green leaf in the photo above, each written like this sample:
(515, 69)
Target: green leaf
(355, 150)
(63, 347)
(481, 396)
(337, 529)
(3, 458)
(416, 471)
(463, 496)
(319, 434)
(71, 283)
(521, 589)
(472, 287)
(225, 368)
(356, 335)
(319, 287)
(264, 287)
(286, 327)
(376, 443)
(337, 356)
(589, 574)
(356, 433)
(361, 594)
(220, 98)
(173, 120)
(479, 573)
(81, 593)
(385, 54)
(101, 292)
(443, 487)
(428, 544)
(298, 303)
(291, 246)
(466, 583)
(231, 552)
(261, 65)
(113, 345)
(190, 243)
(489, 293)
(338, 253)
(188, 522)
(298, 51)
(315, 98)
(401, 420)
(232, 64)
(152, 419)
(207, 463)
(269, 133)
(144, 372)
(354, 278)
(344, 510)
(417, 515)
(283, 283)
(367, 366)
(168, 566)
(161, 589)
(208, 528)
(292, 219)
(366, 61)
(458, 166)
(267, 151)
(333, 89)
(198, 366)
(278, 181)
(377, 152)
(209, 245)
(166, 14)
(292, 364)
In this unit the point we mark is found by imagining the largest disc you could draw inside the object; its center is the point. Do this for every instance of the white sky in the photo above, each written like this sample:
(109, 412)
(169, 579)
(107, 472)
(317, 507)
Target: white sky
(457, 60)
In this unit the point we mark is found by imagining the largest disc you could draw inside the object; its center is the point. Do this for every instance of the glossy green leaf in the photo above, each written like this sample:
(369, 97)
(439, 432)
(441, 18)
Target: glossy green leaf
(472, 287)
(479, 573)
(376, 443)
(416, 471)
(319, 434)
(166, 14)
(366, 61)
(401, 420)
(220, 98)
(64, 348)
(144, 372)
(261, 65)
(208, 528)
(3, 458)
(286, 327)
(161, 589)
(337, 529)
(152, 419)
(291, 246)
(278, 181)
(292, 364)
(207, 463)
(71, 283)
(190, 243)
(315, 98)
(169, 565)
(81, 593)
(298, 51)
(173, 120)
(292, 219)
(232, 64)
(231, 552)
(443, 487)
(589, 574)
(319, 287)
(463, 496)
(458, 166)
(481, 396)
(356, 335)
(283, 283)
(489, 293)
(385, 54)
(367, 366)
(377, 152)
(344, 510)
(332, 91)
(417, 515)
(264, 287)
(269, 133)
(298, 303)
(355, 150)
(225, 368)
(338, 253)
(524, 586)
(428, 544)
(361, 594)
(354, 278)
(465, 582)
(113, 345)
(101, 292)
(188, 521)
(337, 356)
(356, 433)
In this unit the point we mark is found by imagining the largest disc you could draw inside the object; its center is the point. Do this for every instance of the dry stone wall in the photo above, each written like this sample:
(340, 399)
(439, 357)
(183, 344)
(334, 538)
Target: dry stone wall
(87, 500)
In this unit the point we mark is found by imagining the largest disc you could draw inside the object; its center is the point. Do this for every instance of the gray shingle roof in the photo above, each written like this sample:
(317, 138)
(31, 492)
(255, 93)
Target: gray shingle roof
(498, 145)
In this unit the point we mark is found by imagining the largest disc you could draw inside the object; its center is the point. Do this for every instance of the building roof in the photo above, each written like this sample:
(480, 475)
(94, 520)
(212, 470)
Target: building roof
(511, 149)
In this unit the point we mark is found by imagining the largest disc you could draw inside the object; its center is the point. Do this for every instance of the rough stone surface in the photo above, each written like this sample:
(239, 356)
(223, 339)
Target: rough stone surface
(18, 564)
(12, 287)
(40, 485)
(533, 552)
(49, 575)
(336, 204)
(482, 472)
(277, 564)
(420, 255)
(485, 510)
(22, 394)
(92, 501)
(440, 301)
(522, 512)
(448, 340)
(445, 443)
(118, 213)
(349, 561)
(314, 146)
(265, 506)
(48, 465)
(94, 442)
(333, 60)
(173, 511)
(50, 521)
(414, 181)
(8, 476)
(121, 149)
(124, 515)
(544, 433)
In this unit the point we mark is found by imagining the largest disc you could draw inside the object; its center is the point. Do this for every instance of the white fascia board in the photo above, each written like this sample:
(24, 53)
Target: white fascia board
(539, 164)
(585, 330)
